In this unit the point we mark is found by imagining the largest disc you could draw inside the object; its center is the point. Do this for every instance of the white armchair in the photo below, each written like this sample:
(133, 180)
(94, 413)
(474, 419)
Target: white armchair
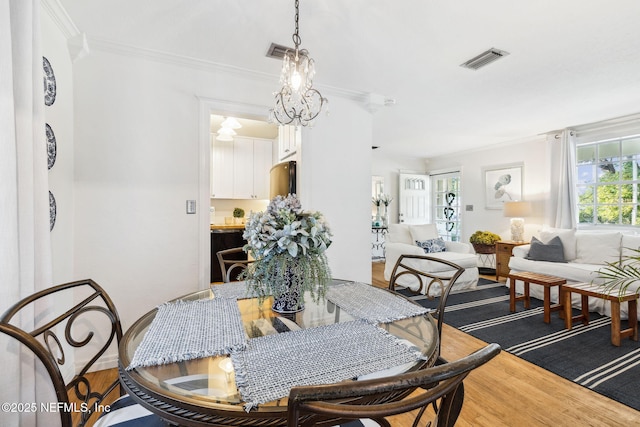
(401, 240)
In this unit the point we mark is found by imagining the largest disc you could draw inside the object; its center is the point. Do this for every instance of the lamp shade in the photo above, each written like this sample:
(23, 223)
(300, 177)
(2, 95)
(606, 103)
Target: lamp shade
(517, 209)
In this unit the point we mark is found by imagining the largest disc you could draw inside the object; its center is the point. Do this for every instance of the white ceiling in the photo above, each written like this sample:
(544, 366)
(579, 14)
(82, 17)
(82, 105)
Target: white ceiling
(571, 61)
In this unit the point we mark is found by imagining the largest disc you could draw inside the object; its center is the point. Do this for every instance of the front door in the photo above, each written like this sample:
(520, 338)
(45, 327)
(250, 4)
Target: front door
(414, 199)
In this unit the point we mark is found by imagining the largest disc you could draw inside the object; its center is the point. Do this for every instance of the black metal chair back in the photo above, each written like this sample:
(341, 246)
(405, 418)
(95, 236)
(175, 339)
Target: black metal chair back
(232, 262)
(377, 399)
(406, 265)
(46, 342)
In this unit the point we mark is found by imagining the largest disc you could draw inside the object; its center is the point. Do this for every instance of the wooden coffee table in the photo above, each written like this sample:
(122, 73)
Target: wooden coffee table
(586, 290)
(536, 279)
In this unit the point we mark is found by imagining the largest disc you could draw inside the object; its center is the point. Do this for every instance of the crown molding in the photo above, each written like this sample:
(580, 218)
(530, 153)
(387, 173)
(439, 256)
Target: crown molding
(210, 66)
(60, 17)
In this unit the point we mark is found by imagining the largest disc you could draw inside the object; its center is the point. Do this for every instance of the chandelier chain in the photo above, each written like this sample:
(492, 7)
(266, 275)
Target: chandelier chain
(296, 37)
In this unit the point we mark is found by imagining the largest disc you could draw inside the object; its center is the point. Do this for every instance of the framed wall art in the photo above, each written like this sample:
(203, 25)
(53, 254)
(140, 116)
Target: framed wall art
(502, 184)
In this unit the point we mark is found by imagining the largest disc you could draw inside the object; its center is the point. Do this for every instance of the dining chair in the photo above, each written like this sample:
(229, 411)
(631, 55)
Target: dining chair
(428, 280)
(232, 264)
(75, 323)
(370, 402)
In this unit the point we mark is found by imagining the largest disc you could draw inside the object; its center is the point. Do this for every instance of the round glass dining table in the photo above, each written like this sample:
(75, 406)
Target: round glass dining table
(203, 392)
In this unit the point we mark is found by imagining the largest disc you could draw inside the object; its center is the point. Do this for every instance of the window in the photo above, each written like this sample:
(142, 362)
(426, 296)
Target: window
(607, 181)
(446, 205)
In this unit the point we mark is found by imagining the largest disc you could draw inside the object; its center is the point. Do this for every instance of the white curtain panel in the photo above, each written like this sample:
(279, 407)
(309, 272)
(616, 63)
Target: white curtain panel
(25, 242)
(562, 202)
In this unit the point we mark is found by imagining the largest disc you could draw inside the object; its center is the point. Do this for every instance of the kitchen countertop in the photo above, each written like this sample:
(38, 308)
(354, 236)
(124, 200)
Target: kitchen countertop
(229, 227)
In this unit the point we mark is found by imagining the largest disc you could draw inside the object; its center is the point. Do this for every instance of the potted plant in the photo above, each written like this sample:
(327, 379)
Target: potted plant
(484, 242)
(288, 246)
(238, 215)
(620, 275)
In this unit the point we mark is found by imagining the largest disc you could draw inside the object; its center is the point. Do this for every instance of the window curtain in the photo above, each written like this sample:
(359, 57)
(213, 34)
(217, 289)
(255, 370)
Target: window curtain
(562, 203)
(25, 245)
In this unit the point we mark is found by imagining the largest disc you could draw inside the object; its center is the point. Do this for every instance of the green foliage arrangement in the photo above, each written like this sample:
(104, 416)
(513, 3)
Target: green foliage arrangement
(619, 276)
(289, 248)
(238, 213)
(484, 238)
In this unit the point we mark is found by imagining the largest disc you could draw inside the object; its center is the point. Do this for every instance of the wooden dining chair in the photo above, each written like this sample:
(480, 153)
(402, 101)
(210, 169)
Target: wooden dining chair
(369, 402)
(71, 316)
(232, 262)
(428, 280)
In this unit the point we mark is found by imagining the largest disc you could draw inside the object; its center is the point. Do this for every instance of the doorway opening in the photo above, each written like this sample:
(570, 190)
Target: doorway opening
(209, 107)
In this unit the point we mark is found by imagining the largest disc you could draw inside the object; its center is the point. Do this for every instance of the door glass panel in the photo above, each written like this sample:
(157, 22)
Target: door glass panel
(446, 205)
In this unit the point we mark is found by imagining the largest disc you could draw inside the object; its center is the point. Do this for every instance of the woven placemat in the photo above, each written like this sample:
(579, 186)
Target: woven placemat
(270, 365)
(374, 305)
(236, 290)
(185, 330)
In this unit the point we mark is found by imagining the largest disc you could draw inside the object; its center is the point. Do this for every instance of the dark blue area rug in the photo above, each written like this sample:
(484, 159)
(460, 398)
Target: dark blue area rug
(584, 354)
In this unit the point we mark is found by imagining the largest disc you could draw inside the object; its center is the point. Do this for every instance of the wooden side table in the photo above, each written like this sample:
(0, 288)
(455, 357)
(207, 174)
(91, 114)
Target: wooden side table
(536, 279)
(586, 290)
(504, 251)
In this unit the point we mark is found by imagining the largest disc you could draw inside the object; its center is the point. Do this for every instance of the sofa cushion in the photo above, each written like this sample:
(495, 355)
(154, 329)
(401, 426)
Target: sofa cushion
(567, 237)
(423, 232)
(551, 251)
(630, 244)
(432, 245)
(598, 248)
(460, 259)
(399, 233)
(571, 271)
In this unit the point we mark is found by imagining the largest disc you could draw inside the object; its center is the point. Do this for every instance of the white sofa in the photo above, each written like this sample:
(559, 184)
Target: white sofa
(585, 252)
(401, 240)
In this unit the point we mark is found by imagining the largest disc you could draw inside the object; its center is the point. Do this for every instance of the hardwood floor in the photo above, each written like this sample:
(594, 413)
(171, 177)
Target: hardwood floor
(510, 392)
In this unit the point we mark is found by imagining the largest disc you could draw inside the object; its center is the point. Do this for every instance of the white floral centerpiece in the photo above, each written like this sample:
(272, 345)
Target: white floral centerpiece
(288, 246)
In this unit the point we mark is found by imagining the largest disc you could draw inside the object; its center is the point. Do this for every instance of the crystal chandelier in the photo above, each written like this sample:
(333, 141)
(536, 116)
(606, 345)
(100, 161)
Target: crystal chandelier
(297, 103)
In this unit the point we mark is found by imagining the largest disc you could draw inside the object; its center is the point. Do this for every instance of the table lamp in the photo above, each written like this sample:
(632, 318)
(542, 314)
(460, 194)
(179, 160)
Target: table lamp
(517, 210)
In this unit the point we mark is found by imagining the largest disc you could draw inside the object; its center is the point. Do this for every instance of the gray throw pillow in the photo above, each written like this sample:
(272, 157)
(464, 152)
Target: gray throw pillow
(432, 245)
(552, 251)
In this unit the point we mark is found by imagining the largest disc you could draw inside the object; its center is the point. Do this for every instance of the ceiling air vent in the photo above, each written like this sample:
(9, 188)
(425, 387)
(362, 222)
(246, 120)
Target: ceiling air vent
(277, 51)
(484, 58)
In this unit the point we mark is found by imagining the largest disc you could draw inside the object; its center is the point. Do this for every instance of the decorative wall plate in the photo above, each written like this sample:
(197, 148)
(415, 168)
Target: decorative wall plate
(49, 82)
(51, 147)
(52, 211)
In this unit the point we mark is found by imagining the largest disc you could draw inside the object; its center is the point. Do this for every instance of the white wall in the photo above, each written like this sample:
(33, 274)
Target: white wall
(335, 178)
(59, 116)
(138, 153)
(532, 153)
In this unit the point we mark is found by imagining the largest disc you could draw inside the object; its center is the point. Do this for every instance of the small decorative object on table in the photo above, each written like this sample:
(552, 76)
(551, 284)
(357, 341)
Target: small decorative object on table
(386, 201)
(484, 242)
(289, 248)
(238, 215)
(377, 222)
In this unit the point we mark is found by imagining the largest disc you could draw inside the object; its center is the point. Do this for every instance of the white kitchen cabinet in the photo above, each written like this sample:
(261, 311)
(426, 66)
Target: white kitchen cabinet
(240, 168)
(243, 168)
(221, 169)
(288, 141)
(262, 162)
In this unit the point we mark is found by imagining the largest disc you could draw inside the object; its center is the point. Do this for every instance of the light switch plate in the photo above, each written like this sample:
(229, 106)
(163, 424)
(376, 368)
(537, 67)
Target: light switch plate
(469, 208)
(191, 206)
